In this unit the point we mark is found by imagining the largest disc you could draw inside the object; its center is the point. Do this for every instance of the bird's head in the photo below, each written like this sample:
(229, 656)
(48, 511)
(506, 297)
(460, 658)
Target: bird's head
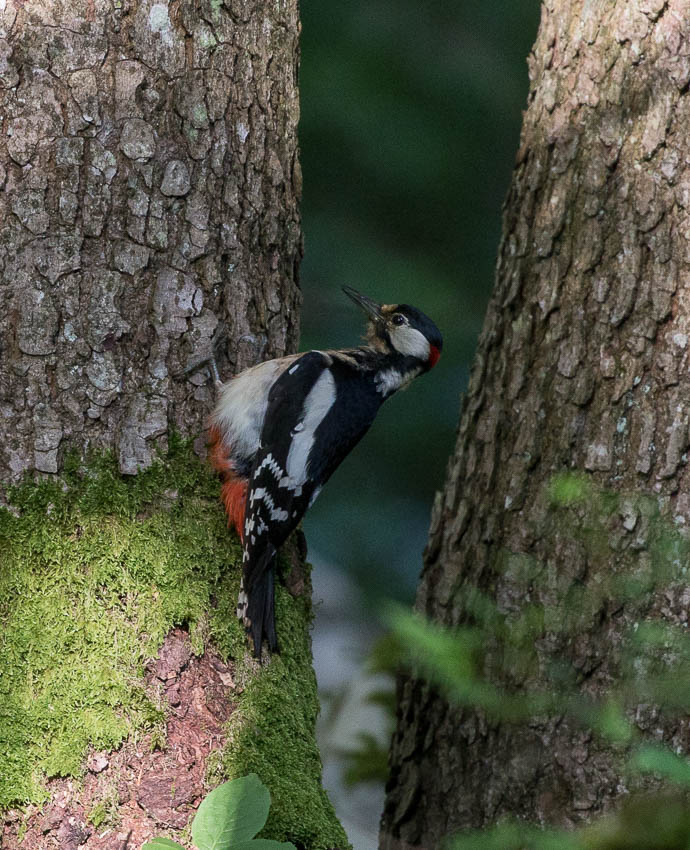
(400, 329)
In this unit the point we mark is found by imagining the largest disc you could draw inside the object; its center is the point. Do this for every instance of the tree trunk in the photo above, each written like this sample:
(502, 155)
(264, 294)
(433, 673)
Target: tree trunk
(149, 189)
(582, 365)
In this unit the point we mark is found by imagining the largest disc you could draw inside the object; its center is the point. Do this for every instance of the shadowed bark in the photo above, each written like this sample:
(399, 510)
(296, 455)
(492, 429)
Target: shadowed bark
(582, 365)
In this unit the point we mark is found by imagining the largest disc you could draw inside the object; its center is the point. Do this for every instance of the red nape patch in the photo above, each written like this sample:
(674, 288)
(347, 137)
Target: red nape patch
(434, 354)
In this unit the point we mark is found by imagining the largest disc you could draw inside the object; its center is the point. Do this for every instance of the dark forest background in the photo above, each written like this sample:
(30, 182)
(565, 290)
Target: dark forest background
(410, 123)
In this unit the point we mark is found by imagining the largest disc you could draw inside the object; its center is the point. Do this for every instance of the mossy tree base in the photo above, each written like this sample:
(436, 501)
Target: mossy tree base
(117, 606)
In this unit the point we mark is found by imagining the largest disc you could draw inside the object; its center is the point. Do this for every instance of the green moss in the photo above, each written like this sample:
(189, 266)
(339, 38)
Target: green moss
(98, 814)
(105, 812)
(274, 737)
(95, 569)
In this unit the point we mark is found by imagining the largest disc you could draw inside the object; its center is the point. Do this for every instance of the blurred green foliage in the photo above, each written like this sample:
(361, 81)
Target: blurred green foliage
(490, 664)
(655, 822)
(410, 123)
(367, 761)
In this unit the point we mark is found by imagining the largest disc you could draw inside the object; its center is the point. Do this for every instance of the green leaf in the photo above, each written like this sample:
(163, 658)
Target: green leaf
(569, 488)
(162, 844)
(367, 762)
(515, 836)
(231, 814)
(264, 844)
(655, 759)
(610, 721)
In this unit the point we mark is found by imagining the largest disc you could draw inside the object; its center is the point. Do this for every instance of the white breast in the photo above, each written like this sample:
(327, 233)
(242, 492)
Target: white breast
(390, 380)
(241, 407)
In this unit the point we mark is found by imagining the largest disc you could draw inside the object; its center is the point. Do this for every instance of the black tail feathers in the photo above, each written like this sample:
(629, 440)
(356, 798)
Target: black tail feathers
(256, 607)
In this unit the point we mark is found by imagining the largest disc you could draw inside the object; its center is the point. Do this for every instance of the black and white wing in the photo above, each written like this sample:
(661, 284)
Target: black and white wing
(280, 485)
(279, 488)
(318, 409)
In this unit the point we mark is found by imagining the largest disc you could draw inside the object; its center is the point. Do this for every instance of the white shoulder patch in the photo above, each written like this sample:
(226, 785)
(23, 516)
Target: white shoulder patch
(326, 356)
(318, 402)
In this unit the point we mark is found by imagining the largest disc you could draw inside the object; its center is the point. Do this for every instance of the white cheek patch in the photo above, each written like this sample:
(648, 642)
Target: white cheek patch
(410, 342)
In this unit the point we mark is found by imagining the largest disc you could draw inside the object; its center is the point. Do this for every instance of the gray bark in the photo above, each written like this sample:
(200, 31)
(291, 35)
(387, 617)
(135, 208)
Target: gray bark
(149, 190)
(582, 365)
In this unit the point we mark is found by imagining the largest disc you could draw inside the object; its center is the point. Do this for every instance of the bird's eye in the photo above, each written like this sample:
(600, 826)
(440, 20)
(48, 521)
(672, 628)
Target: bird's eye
(398, 319)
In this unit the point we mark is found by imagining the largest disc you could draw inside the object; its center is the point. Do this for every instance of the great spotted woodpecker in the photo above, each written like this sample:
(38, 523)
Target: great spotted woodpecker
(280, 429)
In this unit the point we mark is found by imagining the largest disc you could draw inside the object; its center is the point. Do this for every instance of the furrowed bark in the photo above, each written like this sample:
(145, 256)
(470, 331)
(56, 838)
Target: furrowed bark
(582, 366)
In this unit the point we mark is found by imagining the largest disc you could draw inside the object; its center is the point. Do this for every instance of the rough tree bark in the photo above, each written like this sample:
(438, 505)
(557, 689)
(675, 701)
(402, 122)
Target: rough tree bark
(149, 189)
(582, 365)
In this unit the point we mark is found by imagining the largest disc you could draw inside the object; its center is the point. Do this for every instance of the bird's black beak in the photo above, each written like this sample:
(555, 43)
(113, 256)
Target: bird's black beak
(369, 306)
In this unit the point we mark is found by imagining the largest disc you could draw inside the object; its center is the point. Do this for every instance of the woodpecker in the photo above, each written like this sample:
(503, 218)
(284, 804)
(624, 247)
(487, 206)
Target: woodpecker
(281, 428)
